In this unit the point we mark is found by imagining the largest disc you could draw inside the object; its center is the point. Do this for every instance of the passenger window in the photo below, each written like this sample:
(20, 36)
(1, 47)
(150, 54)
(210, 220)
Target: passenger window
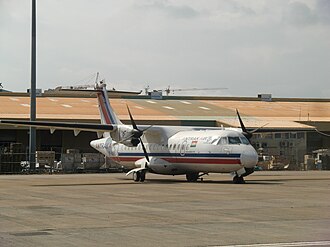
(179, 147)
(174, 146)
(234, 140)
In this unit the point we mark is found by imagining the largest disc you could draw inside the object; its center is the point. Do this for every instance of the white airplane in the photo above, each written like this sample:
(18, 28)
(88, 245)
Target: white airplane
(167, 150)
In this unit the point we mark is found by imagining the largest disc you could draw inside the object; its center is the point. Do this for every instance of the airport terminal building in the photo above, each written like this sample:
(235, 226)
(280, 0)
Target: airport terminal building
(288, 134)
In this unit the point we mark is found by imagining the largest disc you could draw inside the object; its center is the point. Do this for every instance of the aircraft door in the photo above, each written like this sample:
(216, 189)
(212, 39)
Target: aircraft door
(225, 148)
(183, 148)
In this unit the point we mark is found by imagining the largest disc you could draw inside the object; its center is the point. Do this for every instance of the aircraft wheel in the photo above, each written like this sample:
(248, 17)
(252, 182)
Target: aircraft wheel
(136, 176)
(142, 176)
(238, 180)
(192, 177)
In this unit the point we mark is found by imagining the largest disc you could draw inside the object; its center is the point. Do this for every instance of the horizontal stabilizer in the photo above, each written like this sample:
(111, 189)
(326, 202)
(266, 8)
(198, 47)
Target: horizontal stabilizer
(76, 127)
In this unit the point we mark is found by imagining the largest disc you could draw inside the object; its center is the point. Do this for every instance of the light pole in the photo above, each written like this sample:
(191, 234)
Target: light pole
(32, 136)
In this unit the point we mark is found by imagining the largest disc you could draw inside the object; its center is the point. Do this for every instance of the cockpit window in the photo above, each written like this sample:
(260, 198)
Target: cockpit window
(215, 141)
(222, 141)
(245, 140)
(225, 140)
(234, 140)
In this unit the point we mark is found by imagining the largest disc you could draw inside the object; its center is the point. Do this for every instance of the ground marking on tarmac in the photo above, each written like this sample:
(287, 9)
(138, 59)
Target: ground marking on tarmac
(54, 100)
(150, 101)
(168, 107)
(67, 106)
(204, 108)
(139, 107)
(25, 105)
(185, 102)
(84, 100)
(292, 244)
(14, 99)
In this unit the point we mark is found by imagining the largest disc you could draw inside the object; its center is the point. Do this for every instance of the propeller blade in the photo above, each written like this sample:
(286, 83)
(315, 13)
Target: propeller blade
(245, 132)
(140, 133)
(147, 128)
(144, 150)
(241, 122)
(132, 120)
(255, 130)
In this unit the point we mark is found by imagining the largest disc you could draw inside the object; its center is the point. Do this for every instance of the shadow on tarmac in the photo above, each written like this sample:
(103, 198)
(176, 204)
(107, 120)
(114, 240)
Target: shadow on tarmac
(128, 181)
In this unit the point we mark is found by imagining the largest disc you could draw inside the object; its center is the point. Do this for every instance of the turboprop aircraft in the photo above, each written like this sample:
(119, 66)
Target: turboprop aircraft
(167, 150)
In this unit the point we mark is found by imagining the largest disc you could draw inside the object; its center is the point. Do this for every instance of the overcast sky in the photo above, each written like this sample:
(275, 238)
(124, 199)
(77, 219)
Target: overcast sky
(257, 46)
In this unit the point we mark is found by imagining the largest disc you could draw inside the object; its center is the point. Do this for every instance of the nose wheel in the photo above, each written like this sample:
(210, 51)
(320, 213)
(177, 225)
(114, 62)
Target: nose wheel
(139, 176)
(238, 180)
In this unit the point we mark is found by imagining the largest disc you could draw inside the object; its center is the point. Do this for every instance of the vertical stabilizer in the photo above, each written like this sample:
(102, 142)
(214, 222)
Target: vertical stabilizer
(107, 114)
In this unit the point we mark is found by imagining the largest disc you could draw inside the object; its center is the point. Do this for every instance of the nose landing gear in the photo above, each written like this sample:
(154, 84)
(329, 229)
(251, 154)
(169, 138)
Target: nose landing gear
(139, 176)
(238, 180)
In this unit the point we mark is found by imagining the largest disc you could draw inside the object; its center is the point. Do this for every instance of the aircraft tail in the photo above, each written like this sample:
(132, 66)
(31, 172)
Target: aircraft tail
(108, 116)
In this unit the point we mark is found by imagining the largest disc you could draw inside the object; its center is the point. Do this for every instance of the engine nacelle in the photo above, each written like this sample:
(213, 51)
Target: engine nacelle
(126, 135)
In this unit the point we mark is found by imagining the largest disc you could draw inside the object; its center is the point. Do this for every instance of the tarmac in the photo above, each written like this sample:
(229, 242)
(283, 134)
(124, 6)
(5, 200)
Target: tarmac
(273, 208)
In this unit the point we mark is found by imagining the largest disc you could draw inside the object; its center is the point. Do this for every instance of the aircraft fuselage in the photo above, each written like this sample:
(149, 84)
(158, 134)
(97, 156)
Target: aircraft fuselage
(185, 152)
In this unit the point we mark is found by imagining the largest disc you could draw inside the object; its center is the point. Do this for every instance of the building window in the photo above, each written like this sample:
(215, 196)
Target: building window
(278, 135)
(269, 136)
(301, 135)
(293, 135)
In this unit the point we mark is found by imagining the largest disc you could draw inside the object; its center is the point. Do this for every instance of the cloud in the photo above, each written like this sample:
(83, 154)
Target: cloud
(299, 14)
(247, 46)
(170, 9)
(323, 11)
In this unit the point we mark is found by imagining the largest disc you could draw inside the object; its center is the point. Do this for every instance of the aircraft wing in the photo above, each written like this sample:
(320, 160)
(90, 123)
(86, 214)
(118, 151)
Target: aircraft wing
(76, 127)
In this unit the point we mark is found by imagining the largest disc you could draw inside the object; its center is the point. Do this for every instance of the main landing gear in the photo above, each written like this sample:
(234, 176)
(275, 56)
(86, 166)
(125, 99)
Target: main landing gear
(194, 176)
(139, 176)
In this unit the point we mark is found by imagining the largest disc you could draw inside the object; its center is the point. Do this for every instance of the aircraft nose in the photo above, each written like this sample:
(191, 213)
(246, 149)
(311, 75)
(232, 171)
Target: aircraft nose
(249, 158)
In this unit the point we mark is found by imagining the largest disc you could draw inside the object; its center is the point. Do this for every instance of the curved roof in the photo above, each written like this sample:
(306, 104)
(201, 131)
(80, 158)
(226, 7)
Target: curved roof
(255, 113)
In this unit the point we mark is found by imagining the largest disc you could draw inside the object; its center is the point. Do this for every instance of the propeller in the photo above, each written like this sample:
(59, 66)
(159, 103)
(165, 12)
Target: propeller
(137, 133)
(245, 132)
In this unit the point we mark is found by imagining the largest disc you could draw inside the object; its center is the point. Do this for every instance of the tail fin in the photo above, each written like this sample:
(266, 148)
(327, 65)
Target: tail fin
(108, 116)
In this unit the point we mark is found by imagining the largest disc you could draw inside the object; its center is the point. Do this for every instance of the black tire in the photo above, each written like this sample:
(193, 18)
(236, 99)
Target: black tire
(142, 176)
(192, 177)
(136, 176)
(238, 180)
